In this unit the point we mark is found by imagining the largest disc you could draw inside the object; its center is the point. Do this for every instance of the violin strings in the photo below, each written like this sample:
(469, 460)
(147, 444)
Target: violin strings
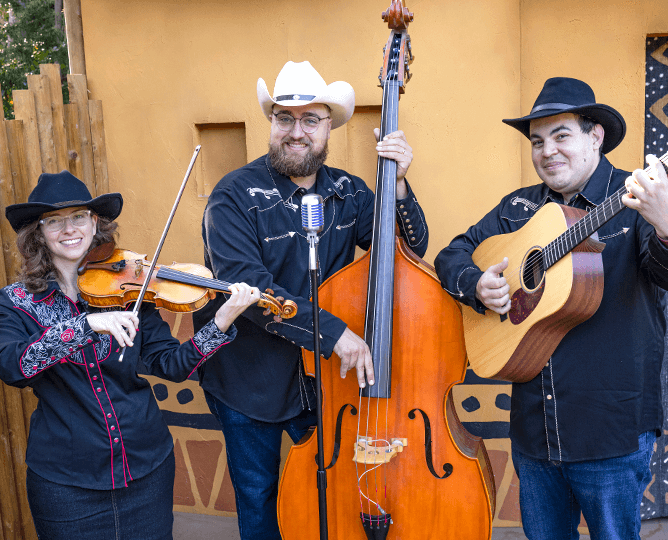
(201, 281)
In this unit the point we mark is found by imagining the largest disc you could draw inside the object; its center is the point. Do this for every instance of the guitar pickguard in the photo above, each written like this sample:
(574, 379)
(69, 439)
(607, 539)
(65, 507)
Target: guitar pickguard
(523, 303)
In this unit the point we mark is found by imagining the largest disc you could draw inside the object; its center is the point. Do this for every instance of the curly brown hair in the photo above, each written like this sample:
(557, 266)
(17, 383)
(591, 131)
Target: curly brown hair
(37, 268)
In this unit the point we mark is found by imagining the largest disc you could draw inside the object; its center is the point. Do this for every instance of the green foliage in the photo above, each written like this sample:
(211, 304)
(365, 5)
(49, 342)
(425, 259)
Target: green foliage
(29, 37)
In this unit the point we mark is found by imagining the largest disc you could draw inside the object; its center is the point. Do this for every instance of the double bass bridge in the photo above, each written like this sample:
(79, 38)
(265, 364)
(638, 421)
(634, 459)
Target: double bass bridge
(368, 453)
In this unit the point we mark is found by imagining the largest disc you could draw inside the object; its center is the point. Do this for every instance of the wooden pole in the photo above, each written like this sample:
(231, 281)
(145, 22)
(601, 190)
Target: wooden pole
(74, 32)
(52, 72)
(24, 110)
(79, 96)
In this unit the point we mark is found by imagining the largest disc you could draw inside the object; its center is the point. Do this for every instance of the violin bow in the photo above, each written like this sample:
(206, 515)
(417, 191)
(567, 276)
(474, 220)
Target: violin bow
(144, 286)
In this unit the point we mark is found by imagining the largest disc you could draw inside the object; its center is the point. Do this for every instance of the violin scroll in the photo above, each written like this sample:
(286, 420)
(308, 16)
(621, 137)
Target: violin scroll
(279, 306)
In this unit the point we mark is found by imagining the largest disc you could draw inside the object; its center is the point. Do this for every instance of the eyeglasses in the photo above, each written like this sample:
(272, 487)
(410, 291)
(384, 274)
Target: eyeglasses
(57, 223)
(308, 123)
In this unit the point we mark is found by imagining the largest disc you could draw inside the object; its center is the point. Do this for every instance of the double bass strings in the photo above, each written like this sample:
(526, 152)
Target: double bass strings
(390, 107)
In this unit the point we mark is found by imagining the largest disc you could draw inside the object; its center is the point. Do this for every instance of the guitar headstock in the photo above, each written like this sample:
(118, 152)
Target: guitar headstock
(397, 52)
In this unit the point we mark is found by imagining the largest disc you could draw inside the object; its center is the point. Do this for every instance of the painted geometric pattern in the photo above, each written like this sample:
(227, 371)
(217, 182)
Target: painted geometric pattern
(655, 500)
(202, 484)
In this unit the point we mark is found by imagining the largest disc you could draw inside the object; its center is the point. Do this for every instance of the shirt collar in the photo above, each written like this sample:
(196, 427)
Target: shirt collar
(324, 185)
(597, 187)
(50, 290)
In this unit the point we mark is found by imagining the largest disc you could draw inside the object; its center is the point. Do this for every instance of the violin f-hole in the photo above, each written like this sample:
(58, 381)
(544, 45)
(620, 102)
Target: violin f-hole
(447, 467)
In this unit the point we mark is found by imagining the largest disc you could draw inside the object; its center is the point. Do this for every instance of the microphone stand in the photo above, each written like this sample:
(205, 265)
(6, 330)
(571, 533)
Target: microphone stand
(312, 238)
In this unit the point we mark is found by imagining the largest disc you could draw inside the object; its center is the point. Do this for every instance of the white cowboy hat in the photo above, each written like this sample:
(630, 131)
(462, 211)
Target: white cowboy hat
(300, 84)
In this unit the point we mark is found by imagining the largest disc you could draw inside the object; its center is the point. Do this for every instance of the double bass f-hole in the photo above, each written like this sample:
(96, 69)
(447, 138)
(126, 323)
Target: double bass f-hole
(337, 436)
(447, 468)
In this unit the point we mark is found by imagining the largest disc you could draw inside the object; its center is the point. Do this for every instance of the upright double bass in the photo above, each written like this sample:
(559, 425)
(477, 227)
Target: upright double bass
(400, 464)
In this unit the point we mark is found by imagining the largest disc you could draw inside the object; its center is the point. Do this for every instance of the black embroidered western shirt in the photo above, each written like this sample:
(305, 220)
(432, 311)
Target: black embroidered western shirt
(97, 424)
(252, 232)
(601, 387)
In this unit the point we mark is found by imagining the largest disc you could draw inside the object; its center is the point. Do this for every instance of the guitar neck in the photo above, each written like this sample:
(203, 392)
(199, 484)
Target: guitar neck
(588, 225)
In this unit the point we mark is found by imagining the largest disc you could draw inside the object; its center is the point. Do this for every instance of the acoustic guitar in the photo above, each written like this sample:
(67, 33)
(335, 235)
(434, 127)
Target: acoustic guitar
(555, 274)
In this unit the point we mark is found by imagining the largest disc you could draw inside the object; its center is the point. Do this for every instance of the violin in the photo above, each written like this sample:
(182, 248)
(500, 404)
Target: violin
(114, 277)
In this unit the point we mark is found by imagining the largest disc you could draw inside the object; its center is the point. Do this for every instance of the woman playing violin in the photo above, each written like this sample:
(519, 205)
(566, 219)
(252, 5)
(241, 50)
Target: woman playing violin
(100, 456)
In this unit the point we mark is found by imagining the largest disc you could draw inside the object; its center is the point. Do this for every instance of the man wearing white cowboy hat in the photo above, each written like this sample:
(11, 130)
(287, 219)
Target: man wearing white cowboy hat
(252, 228)
(583, 430)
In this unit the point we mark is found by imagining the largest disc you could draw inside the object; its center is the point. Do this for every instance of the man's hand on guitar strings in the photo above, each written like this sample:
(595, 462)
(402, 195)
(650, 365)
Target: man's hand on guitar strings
(493, 289)
(648, 194)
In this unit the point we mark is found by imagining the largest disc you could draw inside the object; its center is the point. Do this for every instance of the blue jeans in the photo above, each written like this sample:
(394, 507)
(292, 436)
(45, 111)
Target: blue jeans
(607, 491)
(141, 510)
(253, 460)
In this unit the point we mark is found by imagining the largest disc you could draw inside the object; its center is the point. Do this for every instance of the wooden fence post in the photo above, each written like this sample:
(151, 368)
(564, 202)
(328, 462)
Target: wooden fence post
(74, 32)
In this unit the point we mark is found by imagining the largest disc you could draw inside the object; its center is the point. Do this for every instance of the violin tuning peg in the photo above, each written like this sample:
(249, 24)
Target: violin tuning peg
(269, 291)
(266, 312)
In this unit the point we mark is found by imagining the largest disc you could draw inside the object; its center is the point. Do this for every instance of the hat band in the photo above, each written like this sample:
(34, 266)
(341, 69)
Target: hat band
(70, 203)
(552, 106)
(294, 97)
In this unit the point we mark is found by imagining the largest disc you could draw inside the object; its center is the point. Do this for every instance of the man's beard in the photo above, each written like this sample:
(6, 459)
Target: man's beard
(296, 166)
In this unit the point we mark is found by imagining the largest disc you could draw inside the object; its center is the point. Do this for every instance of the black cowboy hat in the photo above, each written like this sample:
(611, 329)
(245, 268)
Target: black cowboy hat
(57, 191)
(564, 95)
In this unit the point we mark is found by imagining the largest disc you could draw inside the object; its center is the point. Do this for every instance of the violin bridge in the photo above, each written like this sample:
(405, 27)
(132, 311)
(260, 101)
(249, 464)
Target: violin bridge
(138, 268)
(366, 452)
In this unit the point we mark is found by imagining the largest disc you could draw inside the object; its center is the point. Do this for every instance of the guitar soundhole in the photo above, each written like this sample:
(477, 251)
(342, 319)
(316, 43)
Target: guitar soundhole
(533, 270)
(524, 300)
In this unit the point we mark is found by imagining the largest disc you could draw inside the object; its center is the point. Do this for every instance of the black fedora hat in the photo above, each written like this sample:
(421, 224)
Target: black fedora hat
(57, 191)
(564, 95)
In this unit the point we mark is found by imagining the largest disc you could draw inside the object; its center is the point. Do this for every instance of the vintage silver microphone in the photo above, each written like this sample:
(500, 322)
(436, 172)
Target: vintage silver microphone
(313, 221)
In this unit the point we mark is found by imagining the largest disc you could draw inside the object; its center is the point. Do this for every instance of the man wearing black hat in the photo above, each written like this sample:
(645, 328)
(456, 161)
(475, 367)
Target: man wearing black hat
(583, 430)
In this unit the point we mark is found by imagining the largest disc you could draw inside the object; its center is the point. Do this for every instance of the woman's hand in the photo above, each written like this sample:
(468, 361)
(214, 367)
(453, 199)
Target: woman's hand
(242, 296)
(120, 324)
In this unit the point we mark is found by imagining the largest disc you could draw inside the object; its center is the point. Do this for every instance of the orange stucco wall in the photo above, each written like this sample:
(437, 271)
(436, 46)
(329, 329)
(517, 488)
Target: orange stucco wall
(160, 67)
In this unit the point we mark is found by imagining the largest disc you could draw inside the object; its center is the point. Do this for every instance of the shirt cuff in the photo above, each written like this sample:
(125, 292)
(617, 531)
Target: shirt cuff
(210, 338)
